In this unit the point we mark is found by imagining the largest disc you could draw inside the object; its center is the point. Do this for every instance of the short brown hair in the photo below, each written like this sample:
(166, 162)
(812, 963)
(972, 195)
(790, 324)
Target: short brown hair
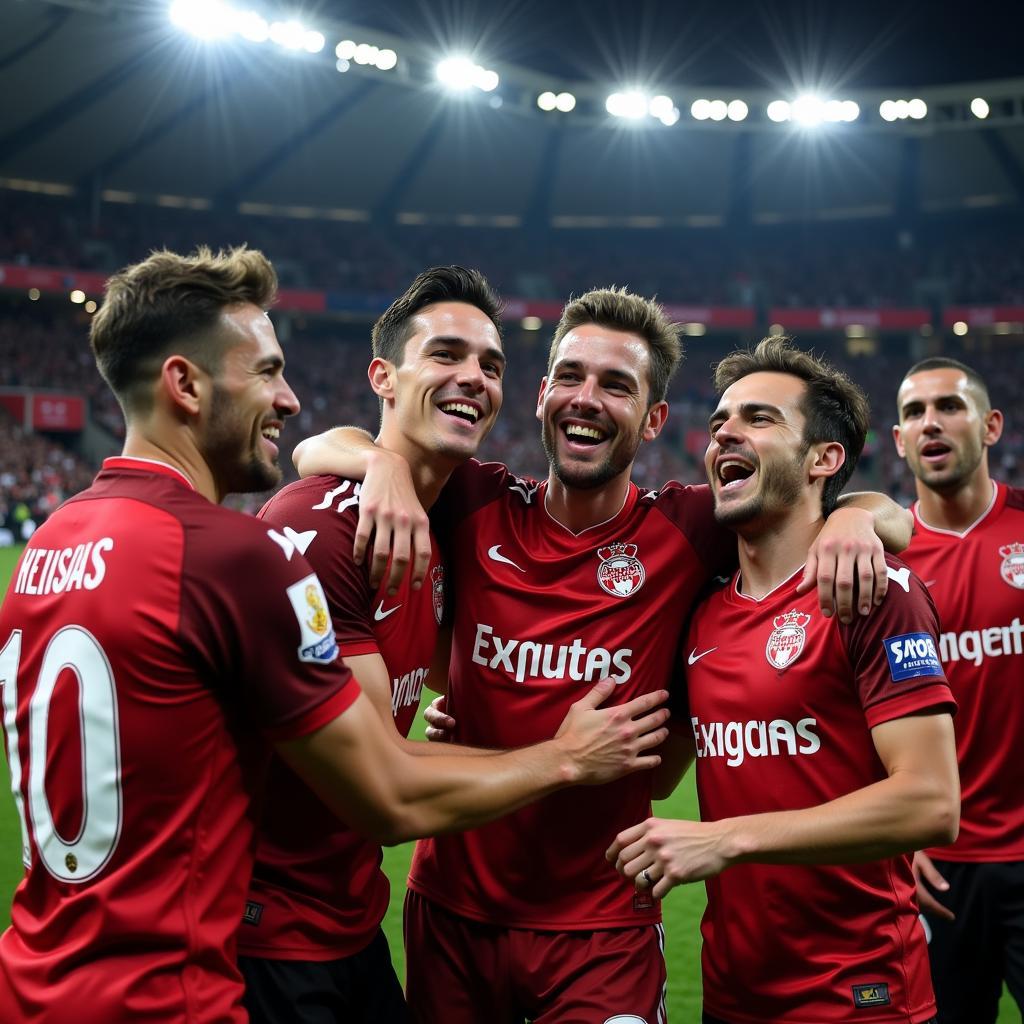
(438, 284)
(618, 309)
(171, 300)
(834, 407)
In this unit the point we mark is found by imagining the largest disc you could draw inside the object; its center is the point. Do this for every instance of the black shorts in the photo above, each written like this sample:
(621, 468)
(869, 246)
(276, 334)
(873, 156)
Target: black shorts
(972, 956)
(358, 989)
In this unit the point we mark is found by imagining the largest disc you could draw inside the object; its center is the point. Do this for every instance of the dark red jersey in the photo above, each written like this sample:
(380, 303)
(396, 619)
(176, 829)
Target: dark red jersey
(541, 614)
(318, 892)
(976, 579)
(149, 639)
(782, 704)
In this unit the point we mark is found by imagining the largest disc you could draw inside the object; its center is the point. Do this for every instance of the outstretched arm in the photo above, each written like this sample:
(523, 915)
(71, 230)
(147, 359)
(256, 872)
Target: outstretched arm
(847, 559)
(917, 805)
(389, 510)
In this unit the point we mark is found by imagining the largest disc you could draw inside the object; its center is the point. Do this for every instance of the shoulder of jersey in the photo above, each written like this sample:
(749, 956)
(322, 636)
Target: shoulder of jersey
(1015, 498)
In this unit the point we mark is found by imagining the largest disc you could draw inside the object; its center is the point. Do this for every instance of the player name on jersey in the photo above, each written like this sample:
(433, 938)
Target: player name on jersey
(57, 570)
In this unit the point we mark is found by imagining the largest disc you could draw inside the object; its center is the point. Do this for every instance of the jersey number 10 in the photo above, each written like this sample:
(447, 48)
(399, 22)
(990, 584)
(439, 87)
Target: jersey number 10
(77, 650)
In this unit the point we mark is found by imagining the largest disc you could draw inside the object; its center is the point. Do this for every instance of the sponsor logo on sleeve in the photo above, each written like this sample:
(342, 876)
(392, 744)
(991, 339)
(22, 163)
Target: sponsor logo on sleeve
(912, 655)
(620, 573)
(253, 912)
(786, 641)
(900, 576)
(1012, 569)
(874, 994)
(310, 606)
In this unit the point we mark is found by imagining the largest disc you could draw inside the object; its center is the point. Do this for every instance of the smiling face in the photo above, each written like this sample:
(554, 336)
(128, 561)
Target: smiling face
(945, 429)
(444, 397)
(757, 462)
(594, 406)
(249, 403)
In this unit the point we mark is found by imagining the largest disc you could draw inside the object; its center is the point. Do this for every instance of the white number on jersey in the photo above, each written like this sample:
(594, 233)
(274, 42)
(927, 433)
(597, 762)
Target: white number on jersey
(77, 650)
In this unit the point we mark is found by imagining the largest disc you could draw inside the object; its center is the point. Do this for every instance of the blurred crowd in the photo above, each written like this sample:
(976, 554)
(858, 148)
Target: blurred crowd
(937, 262)
(43, 346)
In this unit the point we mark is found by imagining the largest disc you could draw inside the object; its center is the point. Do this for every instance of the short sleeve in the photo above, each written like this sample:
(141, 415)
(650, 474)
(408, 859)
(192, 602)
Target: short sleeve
(692, 509)
(894, 652)
(326, 536)
(255, 615)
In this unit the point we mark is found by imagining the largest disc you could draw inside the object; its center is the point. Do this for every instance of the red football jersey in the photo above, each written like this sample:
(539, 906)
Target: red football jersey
(540, 615)
(976, 579)
(149, 637)
(782, 703)
(317, 891)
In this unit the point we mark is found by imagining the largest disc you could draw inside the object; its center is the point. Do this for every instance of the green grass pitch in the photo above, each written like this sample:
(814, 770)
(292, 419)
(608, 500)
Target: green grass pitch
(682, 908)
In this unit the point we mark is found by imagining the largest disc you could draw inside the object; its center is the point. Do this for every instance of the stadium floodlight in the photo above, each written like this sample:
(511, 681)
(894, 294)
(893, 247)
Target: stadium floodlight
(342, 65)
(90, 306)
(288, 34)
(717, 110)
(77, 296)
(204, 19)
(33, 294)
(631, 105)
(737, 110)
(979, 107)
(902, 109)
(887, 110)
(565, 101)
(850, 111)
(700, 110)
(313, 41)
(917, 109)
(660, 106)
(547, 101)
(832, 111)
(808, 110)
(386, 60)
(960, 328)
(778, 111)
(460, 73)
(531, 323)
(253, 27)
(366, 54)
(670, 118)
(346, 49)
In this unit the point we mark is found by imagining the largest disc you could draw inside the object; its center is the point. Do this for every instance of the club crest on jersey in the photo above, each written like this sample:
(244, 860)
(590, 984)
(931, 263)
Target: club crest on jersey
(1012, 569)
(309, 603)
(787, 639)
(620, 573)
(437, 591)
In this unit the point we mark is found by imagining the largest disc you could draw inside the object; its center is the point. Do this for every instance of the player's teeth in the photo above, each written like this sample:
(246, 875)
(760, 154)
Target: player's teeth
(271, 433)
(576, 431)
(466, 410)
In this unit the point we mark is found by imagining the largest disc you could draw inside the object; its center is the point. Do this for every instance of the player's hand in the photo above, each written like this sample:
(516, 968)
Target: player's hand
(927, 877)
(390, 513)
(671, 853)
(440, 725)
(847, 560)
(607, 743)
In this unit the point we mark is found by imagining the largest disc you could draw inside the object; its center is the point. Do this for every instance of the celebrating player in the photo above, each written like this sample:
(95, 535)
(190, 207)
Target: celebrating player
(817, 743)
(969, 550)
(311, 943)
(149, 637)
(557, 584)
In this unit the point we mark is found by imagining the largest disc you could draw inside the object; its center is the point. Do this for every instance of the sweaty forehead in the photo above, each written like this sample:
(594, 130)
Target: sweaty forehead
(454, 320)
(781, 390)
(929, 385)
(604, 350)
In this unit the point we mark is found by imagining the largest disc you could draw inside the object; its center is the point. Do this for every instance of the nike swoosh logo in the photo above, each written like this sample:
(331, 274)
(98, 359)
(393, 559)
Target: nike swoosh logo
(694, 657)
(380, 615)
(495, 555)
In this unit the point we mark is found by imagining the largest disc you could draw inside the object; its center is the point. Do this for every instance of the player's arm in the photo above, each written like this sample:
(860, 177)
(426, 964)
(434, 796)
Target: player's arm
(677, 754)
(847, 558)
(389, 510)
(372, 675)
(917, 804)
(379, 788)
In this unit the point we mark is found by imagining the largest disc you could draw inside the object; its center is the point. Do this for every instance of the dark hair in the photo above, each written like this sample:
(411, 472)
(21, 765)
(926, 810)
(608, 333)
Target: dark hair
(438, 284)
(171, 300)
(620, 310)
(974, 378)
(834, 408)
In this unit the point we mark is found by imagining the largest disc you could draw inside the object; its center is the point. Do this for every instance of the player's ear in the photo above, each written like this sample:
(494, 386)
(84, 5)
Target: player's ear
(185, 383)
(828, 459)
(540, 398)
(656, 417)
(993, 427)
(897, 437)
(381, 373)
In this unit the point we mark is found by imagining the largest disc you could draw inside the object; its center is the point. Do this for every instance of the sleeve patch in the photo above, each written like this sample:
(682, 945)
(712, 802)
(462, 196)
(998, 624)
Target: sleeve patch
(912, 655)
(318, 642)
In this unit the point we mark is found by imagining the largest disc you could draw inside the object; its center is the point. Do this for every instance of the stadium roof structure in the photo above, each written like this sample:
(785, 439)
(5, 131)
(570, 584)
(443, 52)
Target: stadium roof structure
(111, 100)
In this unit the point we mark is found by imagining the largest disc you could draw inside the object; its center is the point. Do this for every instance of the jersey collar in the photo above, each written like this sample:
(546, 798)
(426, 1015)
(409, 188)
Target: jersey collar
(148, 466)
(997, 491)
